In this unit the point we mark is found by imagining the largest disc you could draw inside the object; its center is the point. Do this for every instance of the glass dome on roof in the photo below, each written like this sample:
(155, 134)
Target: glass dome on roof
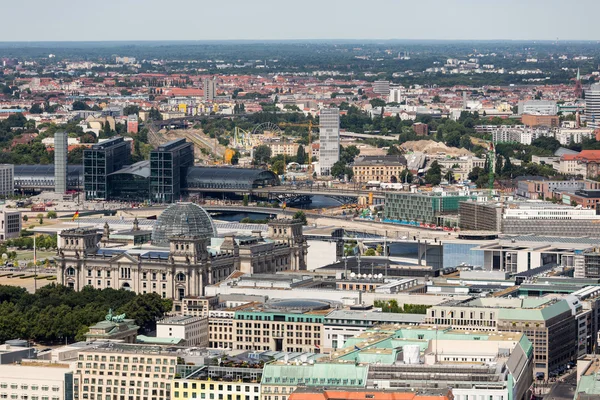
(298, 304)
(182, 219)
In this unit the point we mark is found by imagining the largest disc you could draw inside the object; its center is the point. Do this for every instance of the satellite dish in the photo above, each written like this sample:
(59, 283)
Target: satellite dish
(286, 358)
(380, 276)
(303, 358)
(364, 276)
(4, 256)
(370, 276)
(352, 275)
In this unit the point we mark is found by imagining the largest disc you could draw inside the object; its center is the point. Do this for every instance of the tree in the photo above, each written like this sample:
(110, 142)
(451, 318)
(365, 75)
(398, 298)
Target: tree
(262, 154)
(548, 143)
(245, 200)
(278, 167)
(436, 99)
(75, 156)
(406, 176)
(25, 218)
(154, 114)
(79, 105)
(394, 151)
(370, 253)
(301, 157)
(301, 216)
(434, 174)
(377, 103)
(36, 109)
(341, 169)
(449, 176)
(51, 215)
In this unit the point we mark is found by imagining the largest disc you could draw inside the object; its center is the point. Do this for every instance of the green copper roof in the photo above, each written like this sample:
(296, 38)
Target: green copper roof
(322, 374)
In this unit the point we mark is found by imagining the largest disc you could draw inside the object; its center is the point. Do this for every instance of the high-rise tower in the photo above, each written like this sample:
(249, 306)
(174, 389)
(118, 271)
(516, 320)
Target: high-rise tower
(592, 106)
(329, 136)
(61, 146)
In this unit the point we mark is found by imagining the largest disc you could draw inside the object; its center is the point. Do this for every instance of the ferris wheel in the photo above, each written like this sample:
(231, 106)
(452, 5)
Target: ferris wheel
(267, 127)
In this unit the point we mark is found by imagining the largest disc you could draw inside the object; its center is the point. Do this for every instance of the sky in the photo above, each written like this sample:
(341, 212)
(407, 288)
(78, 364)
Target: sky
(108, 20)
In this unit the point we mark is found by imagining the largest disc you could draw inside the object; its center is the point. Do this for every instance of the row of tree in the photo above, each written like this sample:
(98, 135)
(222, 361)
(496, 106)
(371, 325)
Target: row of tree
(55, 313)
(393, 307)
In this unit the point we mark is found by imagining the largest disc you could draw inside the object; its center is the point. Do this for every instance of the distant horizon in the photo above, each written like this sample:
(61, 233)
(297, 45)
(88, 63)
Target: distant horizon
(266, 20)
(347, 40)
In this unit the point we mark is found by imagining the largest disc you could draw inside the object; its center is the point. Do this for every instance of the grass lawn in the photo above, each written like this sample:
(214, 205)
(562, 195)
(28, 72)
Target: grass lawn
(26, 255)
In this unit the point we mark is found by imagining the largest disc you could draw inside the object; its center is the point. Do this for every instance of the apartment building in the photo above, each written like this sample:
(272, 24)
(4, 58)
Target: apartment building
(193, 330)
(378, 168)
(114, 371)
(548, 323)
(281, 325)
(36, 380)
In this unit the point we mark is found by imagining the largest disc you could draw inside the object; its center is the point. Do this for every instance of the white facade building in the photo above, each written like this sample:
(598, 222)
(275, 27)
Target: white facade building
(592, 106)
(544, 107)
(35, 381)
(194, 330)
(569, 136)
(329, 136)
(10, 224)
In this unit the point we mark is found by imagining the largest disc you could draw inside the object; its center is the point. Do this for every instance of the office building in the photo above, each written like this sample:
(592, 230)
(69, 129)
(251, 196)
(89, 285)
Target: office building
(340, 326)
(124, 371)
(544, 107)
(219, 382)
(548, 323)
(100, 161)
(329, 138)
(535, 120)
(193, 330)
(530, 217)
(465, 364)
(168, 168)
(281, 325)
(423, 207)
(60, 162)
(592, 106)
(10, 224)
(7, 180)
(378, 168)
(210, 89)
(303, 393)
(381, 88)
(220, 329)
(36, 380)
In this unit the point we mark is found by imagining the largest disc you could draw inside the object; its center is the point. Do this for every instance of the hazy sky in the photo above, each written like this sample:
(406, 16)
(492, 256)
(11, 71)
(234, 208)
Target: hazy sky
(35, 20)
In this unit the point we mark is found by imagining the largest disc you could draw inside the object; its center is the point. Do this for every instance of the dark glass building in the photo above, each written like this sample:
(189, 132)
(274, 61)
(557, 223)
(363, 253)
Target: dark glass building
(102, 160)
(131, 183)
(168, 166)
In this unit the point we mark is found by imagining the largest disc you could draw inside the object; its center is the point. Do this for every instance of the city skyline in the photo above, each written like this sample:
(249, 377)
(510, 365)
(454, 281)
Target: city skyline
(269, 20)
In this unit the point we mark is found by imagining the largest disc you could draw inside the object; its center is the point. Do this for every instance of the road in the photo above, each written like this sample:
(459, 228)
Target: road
(563, 390)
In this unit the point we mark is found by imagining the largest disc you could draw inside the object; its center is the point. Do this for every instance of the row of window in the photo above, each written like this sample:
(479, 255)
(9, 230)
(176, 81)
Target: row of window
(24, 386)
